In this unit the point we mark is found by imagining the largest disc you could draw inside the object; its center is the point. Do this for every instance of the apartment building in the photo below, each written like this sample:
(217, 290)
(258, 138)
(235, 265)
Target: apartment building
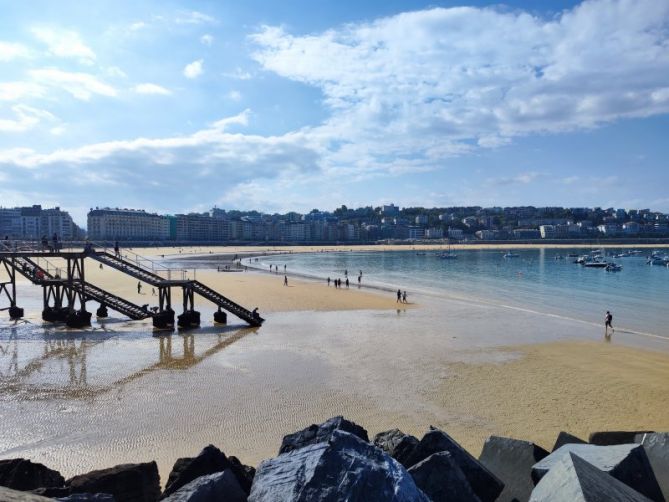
(127, 225)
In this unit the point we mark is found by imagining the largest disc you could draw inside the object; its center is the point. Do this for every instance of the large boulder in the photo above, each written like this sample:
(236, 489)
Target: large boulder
(627, 463)
(22, 474)
(398, 445)
(10, 495)
(484, 483)
(440, 478)
(219, 487)
(566, 438)
(342, 468)
(208, 461)
(320, 433)
(572, 479)
(126, 482)
(511, 461)
(610, 438)
(657, 448)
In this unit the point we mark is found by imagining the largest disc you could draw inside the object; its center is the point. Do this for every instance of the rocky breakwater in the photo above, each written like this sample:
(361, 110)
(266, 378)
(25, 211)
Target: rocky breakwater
(336, 461)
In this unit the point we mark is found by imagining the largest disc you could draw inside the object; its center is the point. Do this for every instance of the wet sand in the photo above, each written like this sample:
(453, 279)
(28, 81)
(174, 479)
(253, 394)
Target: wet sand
(82, 400)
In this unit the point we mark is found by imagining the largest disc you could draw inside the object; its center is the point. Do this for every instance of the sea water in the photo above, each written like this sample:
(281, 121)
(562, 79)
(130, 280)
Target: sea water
(543, 281)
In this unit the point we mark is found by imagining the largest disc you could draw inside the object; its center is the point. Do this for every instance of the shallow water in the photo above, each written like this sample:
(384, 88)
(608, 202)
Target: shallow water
(535, 281)
(78, 400)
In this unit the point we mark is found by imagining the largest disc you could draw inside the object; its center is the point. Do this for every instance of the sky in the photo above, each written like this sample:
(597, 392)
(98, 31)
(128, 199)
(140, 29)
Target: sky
(175, 106)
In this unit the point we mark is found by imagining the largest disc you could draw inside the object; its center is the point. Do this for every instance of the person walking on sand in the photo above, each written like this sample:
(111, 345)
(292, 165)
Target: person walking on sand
(608, 320)
(139, 288)
(285, 280)
(328, 282)
(404, 297)
(399, 296)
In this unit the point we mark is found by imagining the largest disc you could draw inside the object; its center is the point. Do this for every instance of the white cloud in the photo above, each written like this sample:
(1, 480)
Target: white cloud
(238, 74)
(80, 85)
(65, 44)
(195, 17)
(14, 91)
(148, 88)
(207, 40)
(194, 69)
(115, 71)
(422, 86)
(138, 25)
(234, 95)
(24, 118)
(10, 51)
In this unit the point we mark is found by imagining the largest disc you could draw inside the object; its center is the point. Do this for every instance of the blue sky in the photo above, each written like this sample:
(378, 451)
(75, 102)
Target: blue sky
(179, 106)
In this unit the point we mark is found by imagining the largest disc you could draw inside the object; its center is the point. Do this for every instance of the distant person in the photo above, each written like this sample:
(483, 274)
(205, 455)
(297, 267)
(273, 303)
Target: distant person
(347, 283)
(284, 267)
(139, 287)
(328, 282)
(399, 296)
(359, 279)
(404, 297)
(54, 238)
(346, 273)
(255, 313)
(608, 320)
(285, 280)
(117, 250)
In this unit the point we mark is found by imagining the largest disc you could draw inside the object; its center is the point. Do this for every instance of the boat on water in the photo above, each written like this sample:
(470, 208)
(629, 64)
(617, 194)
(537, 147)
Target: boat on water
(613, 267)
(658, 260)
(420, 253)
(448, 255)
(573, 255)
(509, 254)
(595, 264)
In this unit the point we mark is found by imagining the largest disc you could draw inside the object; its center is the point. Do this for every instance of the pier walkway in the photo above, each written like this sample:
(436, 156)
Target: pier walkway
(64, 286)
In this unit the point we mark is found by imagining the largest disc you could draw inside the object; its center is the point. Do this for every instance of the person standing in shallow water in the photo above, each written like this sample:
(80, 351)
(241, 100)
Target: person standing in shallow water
(608, 323)
(404, 297)
(399, 296)
(285, 280)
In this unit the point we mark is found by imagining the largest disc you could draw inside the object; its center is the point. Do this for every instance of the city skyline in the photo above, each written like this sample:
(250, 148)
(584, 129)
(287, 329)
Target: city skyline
(181, 106)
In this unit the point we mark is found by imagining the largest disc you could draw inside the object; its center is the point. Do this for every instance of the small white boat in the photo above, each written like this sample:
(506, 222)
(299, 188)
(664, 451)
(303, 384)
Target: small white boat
(657, 260)
(448, 256)
(509, 254)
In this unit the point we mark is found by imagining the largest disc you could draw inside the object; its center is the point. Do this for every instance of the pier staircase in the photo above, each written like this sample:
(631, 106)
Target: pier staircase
(140, 271)
(41, 276)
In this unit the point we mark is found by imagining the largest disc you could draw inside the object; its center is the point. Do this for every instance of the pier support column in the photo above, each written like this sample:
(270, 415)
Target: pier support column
(76, 291)
(190, 317)
(164, 319)
(220, 316)
(9, 288)
(54, 293)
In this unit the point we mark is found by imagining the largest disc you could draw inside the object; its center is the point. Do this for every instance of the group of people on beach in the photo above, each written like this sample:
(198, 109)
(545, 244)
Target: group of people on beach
(401, 296)
(337, 282)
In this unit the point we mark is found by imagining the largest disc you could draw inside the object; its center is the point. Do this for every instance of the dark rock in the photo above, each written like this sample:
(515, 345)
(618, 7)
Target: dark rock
(484, 483)
(126, 482)
(398, 445)
(22, 474)
(208, 461)
(572, 479)
(626, 462)
(9, 495)
(342, 468)
(242, 471)
(656, 445)
(320, 433)
(219, 487)
(611, 438)
(439, 477)
(511, 461)
(88, 497)
(566, 438)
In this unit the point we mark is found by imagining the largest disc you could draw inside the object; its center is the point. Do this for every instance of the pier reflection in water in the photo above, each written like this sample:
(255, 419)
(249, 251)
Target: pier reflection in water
(86, 365)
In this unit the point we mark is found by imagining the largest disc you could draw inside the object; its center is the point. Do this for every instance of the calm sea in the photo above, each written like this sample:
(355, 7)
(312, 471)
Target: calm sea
(535, 281)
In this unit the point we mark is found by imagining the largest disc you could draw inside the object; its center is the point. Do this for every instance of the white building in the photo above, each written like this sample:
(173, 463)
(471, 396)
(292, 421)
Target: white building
(127, 225)
(421, 219)
(455, 233)
(33, 222)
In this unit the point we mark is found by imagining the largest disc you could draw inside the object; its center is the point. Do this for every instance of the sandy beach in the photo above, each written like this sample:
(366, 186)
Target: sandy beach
(322, 352)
